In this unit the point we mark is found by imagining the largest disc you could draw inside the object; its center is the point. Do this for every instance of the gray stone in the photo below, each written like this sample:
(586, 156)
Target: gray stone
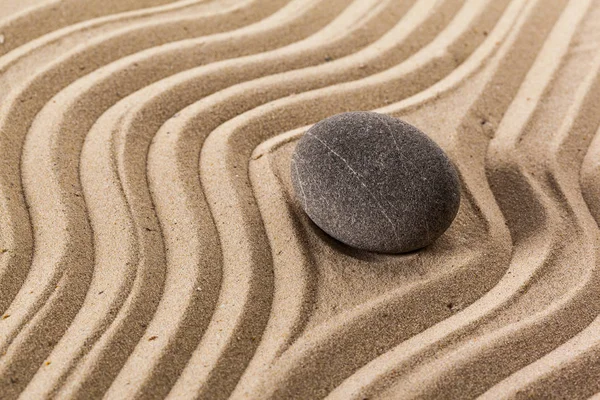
(375, 182)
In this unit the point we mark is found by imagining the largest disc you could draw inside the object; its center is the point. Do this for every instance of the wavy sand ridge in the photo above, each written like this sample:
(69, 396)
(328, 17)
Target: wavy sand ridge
(151, 245)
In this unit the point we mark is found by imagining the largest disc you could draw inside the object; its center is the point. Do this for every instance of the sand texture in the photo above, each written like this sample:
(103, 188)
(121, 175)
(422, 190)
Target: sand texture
(151, 245)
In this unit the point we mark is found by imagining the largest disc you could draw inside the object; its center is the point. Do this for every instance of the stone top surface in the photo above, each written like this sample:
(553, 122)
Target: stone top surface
(375, 182)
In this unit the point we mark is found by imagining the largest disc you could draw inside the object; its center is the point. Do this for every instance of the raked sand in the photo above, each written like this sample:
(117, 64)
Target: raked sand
(151, 245)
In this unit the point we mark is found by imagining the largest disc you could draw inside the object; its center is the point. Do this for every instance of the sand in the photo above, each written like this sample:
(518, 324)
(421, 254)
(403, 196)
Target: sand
(151, 245)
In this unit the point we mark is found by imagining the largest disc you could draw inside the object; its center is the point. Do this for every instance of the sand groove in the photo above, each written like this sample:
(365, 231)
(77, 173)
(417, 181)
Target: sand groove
(151, 245)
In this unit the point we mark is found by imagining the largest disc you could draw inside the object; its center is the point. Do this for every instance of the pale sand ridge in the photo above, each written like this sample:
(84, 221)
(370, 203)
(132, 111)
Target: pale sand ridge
(151, 244)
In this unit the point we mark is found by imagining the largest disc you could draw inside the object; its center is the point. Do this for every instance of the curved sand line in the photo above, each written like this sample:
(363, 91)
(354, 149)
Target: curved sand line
(195, 374)
(24, 303)
(541, 377)
(554, 256)
(146, 352)
(40, 19)
(142, 275)
(35, 92)
(41, 78)
(247, 125)
(293, 11)
(480, 119)
(75, 330)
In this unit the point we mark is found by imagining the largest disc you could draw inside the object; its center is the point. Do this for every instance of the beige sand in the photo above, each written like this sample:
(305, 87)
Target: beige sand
(151, 246)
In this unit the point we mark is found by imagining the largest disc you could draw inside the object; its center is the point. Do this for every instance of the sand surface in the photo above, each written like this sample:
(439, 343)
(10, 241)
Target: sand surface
(151, 245)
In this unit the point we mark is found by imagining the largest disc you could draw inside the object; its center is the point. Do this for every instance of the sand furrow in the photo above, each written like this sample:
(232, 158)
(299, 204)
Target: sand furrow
(161, 353)
(573, 306)
(27, 87)
(136, 126)
(68, 339)
(151, 244)
(50, 15)
(475, 127)
(179, 91)
(555, 374)
(10, 7)
(21, 102)
(225, 140)
(262, 28)
(25, 303)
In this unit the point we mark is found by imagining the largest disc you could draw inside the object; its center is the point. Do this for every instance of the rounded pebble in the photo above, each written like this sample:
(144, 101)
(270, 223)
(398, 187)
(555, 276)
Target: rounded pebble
(375, 182)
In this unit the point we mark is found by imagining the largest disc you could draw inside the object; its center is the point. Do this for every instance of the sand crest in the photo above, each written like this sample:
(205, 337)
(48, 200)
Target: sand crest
(151, 245)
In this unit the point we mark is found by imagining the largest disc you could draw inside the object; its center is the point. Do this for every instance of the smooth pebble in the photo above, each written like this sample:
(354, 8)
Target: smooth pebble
(375, 182)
